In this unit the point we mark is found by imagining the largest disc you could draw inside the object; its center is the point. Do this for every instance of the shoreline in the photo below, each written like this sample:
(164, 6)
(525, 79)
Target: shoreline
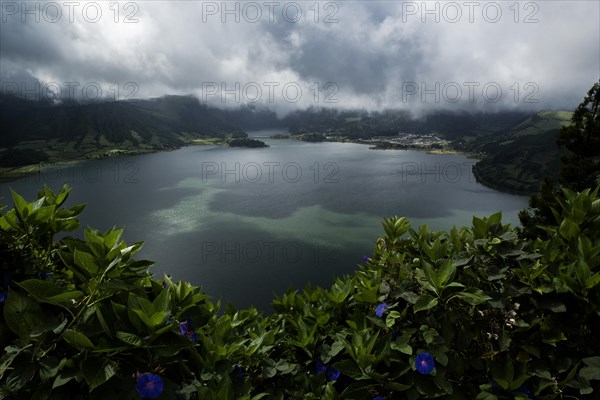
(11, 174)
(479, 179)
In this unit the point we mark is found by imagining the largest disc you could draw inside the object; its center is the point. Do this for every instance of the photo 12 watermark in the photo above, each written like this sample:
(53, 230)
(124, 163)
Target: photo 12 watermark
(290, 252)
(270, 172)
(254, 12)
(53, 12)
(453, 12)
(269, 92)
(73, 91)
(448, 172)
(469, 92)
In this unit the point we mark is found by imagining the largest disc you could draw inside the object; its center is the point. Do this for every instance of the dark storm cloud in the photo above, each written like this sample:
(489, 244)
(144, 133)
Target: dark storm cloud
(378, 54)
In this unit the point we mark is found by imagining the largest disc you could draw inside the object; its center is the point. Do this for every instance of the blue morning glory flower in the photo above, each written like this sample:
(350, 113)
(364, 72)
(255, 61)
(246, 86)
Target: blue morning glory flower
(186, 328)
(238, 371)
(149, 386)
(380, 309)
(332, 373)
(424, 363)
(183, 328)
(4, 289)
(526, 391)
(321, 367)
(44, 275)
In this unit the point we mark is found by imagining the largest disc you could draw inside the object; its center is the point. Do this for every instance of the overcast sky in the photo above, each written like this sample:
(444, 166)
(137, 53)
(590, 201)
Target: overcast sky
(286, 55)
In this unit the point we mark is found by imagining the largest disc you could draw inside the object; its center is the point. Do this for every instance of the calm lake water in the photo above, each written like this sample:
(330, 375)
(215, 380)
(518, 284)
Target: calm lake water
(245, 223)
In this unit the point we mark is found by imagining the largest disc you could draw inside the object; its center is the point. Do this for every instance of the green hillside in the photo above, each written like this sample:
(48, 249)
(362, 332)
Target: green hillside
(360, 124)
(40, 132)
(518, 160)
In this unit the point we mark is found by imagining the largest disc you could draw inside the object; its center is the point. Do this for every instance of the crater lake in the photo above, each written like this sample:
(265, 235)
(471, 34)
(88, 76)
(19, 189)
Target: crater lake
(246, 223)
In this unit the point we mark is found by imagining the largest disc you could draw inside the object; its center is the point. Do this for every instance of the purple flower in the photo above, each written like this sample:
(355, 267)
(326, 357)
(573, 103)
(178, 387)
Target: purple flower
(183, 328)
(379, 398)
(526, 391)
(4, 289)
(332, 373)
(238, 371)
(380, 309)
(149, 386)
(164, 284)
(321, 367)
(365, 258)
(186, 328)
(44, 275)
(424, 363)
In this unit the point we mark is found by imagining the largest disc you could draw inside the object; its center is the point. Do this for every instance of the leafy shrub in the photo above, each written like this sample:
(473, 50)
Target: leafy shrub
(473, 313)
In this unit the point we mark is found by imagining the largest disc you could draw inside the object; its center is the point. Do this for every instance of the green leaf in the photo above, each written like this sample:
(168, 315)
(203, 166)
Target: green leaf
(77, 339)
(425, 302)
(62, 195)
(95, 243)
(48, 368)
(97, 371)
(22, 314)
(42, 214)
(20, 375)
(65, 377)
(446, 272)
(86, 261)
(592, 281)
(349, 368)
(402, 347)
(503, 373)
(592, 361)
(52, 324)
(427, 277)
(592, 369)
(473, 298)
(479, 227)
(130, 338)
(22, 208)
(162, 302)
(590, 373)
(336, 347)
(46, 290)
(11, 352)
(568, 229)
(391, 318)
(330, 393)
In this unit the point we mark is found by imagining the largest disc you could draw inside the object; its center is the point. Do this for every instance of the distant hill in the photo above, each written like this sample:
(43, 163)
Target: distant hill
(519, 159)
(165, 117)
(360, 124)
(42, 131)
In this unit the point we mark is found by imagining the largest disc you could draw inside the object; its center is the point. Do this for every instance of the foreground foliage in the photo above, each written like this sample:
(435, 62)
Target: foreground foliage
(474, 313)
